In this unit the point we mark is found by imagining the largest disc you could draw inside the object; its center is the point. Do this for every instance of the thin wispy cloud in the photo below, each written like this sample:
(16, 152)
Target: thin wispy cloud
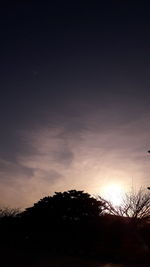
(58, 158)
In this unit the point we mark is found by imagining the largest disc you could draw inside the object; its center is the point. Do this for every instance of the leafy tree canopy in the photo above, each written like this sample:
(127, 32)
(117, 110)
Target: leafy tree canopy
(70, 205)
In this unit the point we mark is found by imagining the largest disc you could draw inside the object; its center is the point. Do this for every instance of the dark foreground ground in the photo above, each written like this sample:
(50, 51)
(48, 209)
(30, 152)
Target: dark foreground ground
(68, 262)
(108, 241)
(18, 258)
(77, 262)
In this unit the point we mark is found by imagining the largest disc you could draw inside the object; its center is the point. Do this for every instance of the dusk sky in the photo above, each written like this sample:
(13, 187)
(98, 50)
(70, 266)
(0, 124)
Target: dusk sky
(74, 97)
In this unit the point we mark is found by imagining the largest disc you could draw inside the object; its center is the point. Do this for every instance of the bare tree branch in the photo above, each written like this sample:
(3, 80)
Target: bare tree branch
(134, 205)
(7, 212)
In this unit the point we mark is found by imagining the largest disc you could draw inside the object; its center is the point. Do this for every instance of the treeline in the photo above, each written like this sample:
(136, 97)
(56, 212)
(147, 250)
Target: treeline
(75, 223)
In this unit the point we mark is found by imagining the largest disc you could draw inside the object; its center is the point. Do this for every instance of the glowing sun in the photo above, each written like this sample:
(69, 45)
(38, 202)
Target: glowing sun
(113, 193)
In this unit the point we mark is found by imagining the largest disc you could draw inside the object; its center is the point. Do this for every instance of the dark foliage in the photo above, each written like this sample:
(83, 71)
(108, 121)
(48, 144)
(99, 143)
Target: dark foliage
(67, 206)
(61, 222)
(73, 223)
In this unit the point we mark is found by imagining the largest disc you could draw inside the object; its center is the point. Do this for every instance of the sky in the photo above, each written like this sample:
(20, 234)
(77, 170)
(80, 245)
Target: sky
(74, 97)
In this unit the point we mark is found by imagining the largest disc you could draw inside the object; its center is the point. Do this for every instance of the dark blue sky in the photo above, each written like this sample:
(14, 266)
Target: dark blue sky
(74, 94)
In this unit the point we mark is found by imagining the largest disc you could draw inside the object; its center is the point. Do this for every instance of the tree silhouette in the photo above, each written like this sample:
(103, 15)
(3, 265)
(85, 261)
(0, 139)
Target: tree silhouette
(67, 206)
(135, 205)
(65, 221)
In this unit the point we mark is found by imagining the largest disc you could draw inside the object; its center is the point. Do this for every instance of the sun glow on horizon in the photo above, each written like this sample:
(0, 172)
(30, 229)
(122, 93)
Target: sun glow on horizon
(113, 193)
